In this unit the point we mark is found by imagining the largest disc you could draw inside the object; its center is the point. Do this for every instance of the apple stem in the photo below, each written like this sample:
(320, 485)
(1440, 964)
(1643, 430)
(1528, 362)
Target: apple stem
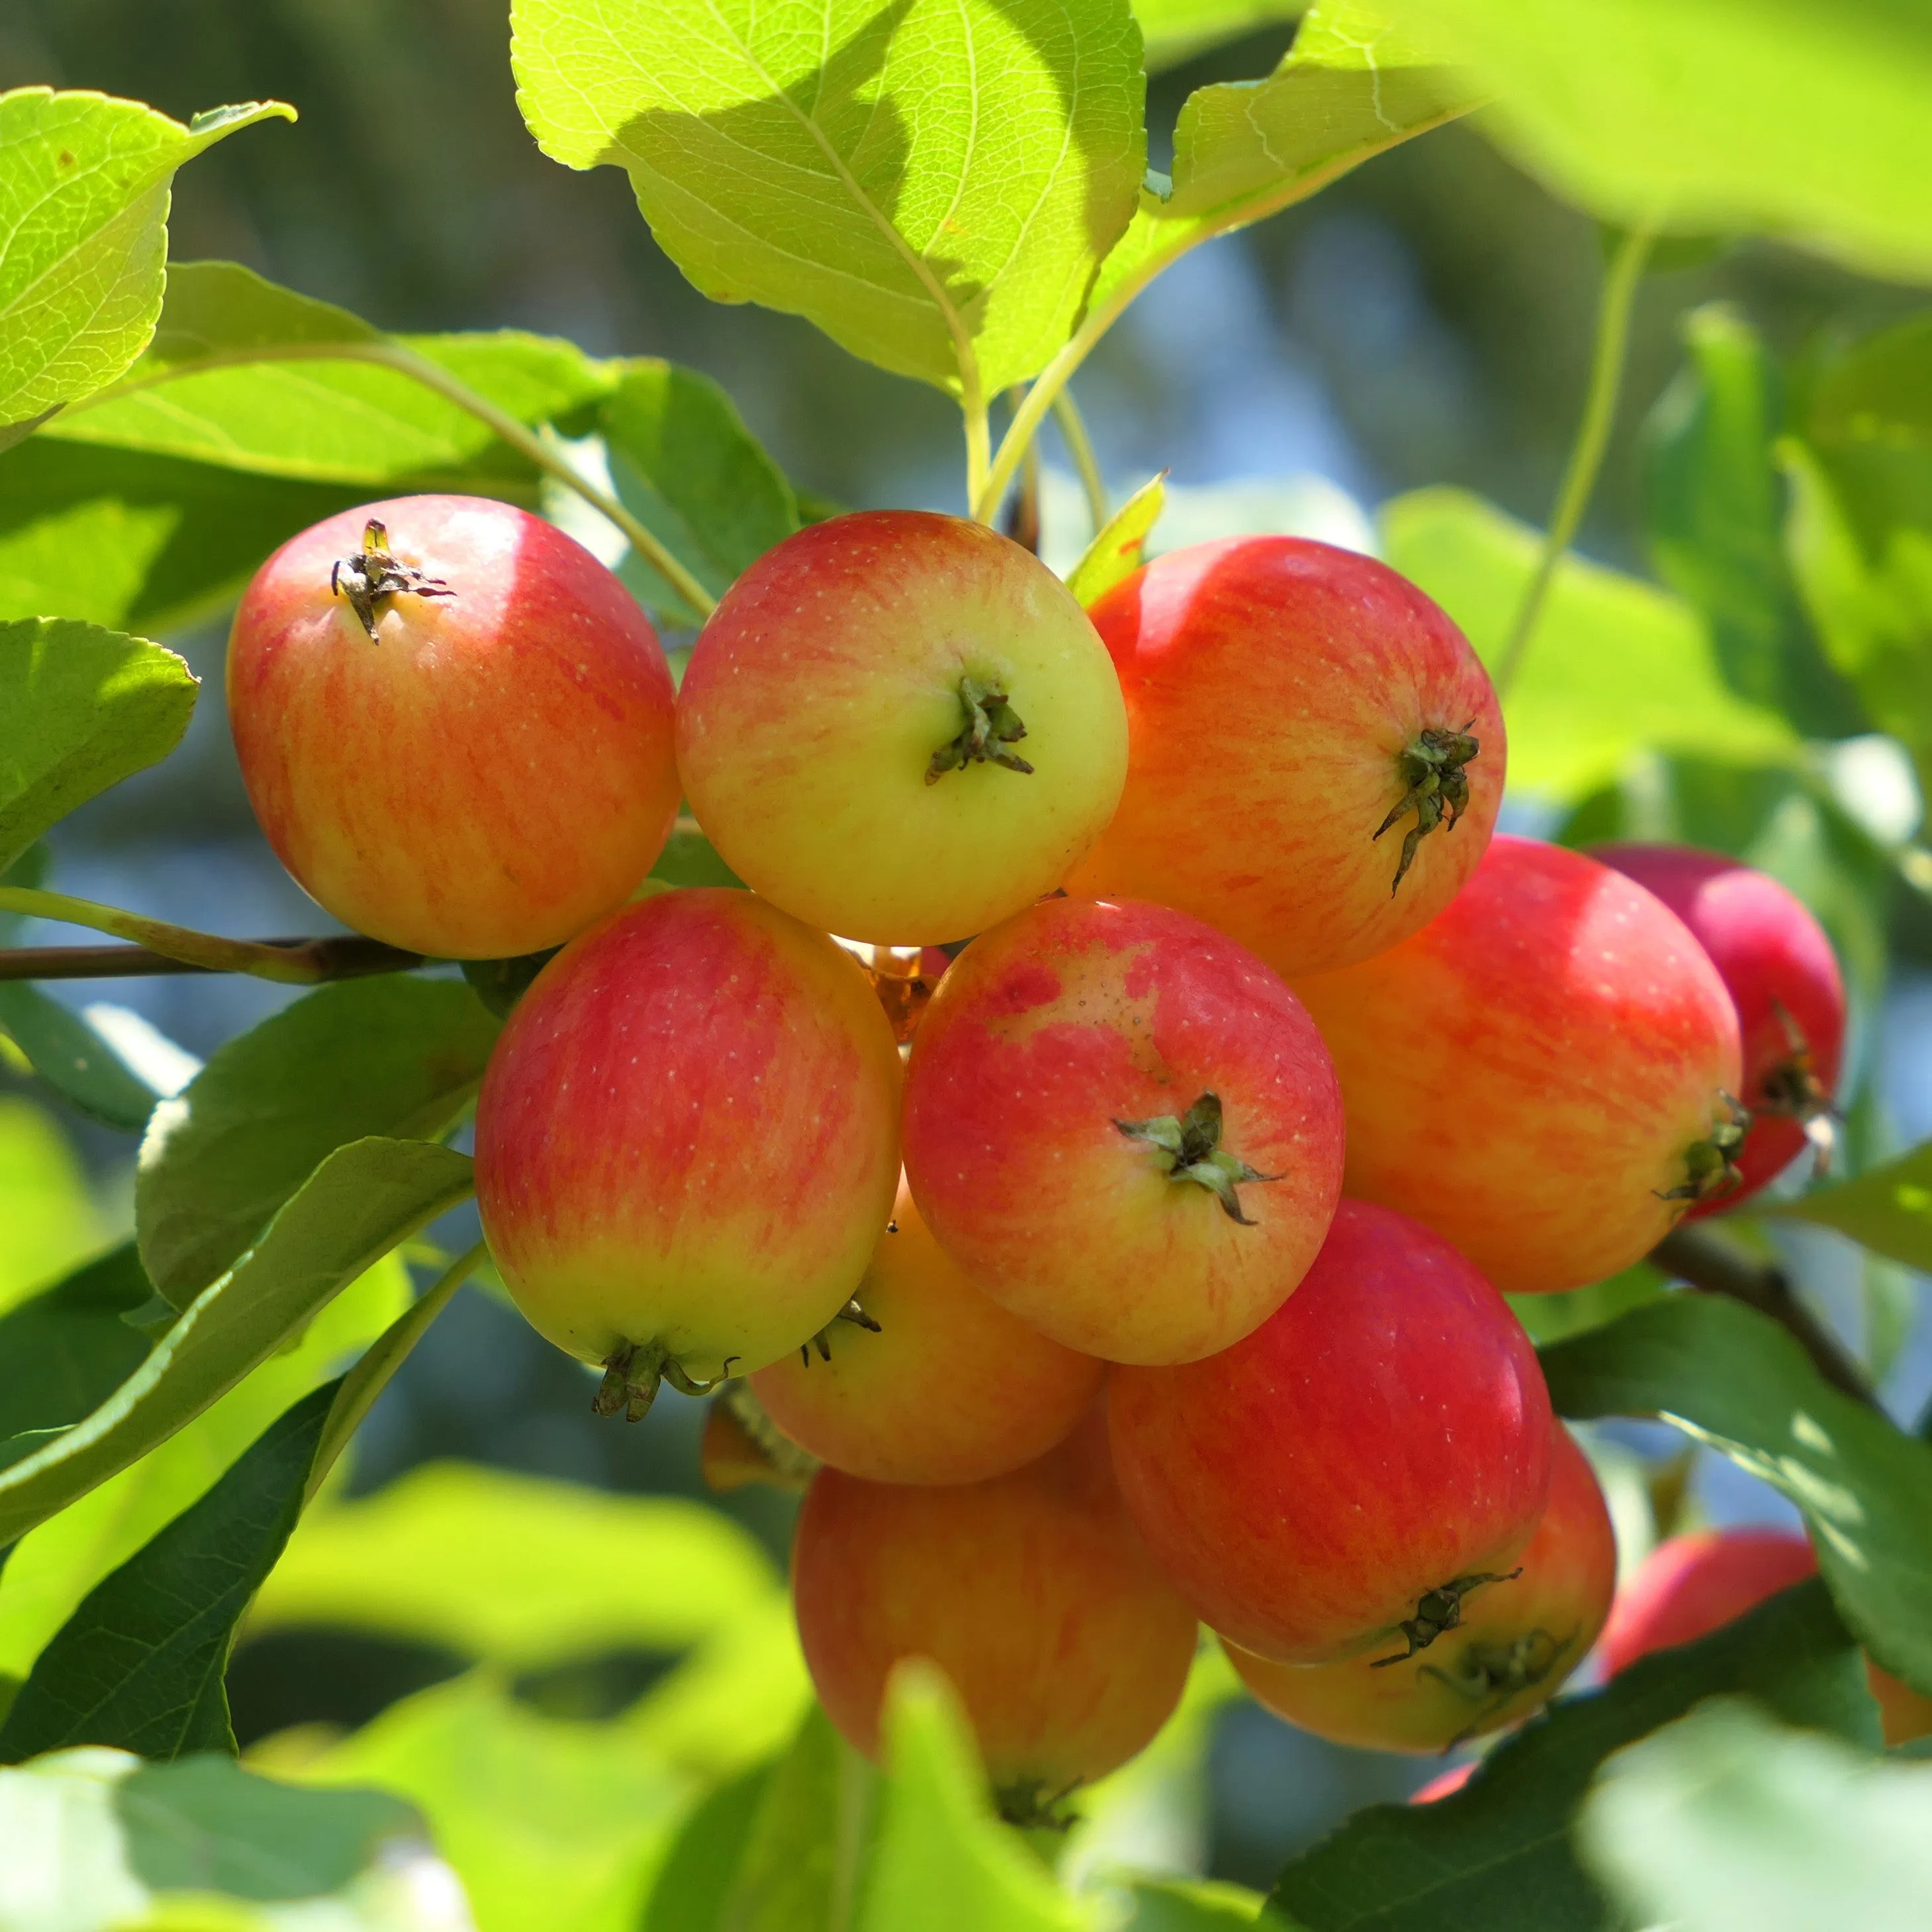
(1189, 1149)
(1710, 1170)
(990, 723)
(633, 1372)
(1438, 1610)
(1430, 768)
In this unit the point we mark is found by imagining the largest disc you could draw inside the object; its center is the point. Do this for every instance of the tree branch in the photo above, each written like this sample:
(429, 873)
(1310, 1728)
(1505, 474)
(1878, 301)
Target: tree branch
(348, 957)
(1715, 1265)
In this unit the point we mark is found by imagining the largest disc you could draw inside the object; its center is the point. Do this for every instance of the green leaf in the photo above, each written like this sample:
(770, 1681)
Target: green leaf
(1714, 513)
(1175, 1905)
(1176, 30)
(1115, 554)
(390, 1055)
(697, 1878)
(940, 1859)
(932, 182)
(64, 1849)
(548, 1823)
(54, 1566)
(76, 1061)
(84, 187)
(67, 1351)
(219, 311)
(360, 1203)
(1551, 1317)
(50, 1222)
(146, 542)
(1888, 1209)
(1735, 1380)
(1496, 1855)
(141, 1663)
(1350, 88)
(690, 859)
(518, 1570)
(1805, 124)
(684, 464)
(203, 1824)
(85, 707)
(1725, 1821)
(1617, 663)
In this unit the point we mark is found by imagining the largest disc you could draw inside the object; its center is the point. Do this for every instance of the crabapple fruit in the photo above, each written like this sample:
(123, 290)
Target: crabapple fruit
(1371, 1458)
(1782, 976)
(1306, 729)
(1691, 1584)
(950, 1388)
(1542, 1074)
(901, 728)
(454, 724)
(687, 1140)
(1031, 1591)
(1517, 1642)
(1124, 1128)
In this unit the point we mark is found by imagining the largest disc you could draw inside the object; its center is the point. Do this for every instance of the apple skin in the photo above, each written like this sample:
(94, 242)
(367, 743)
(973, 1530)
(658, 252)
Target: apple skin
(688, 1134)
(952, 1389)
(1031, 1592)
(494, 774)
(823, 684)
(1271, 684)
(1770, 952)
(1691, 1584)
(1549, 1617)
(1044, 1035)
(1384, 1432)
(1528, 1073)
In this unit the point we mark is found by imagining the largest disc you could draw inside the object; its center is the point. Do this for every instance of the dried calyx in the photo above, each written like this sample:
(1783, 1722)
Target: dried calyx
(1710, 1166)
(373, 574)
(822, 1341)
(1438, 1610)
(991, 724)
(632, 1372)
(1793, 1090)
(1029, 1804)
(1430, 768)
(1488, 1674)
(1189, 1149)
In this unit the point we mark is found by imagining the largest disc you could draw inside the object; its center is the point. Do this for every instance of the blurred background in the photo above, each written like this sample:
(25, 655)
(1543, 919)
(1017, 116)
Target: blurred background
(1427, 320)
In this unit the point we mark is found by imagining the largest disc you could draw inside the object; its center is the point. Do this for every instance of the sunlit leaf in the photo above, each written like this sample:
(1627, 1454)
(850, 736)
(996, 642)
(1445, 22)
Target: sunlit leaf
(1734, 1379)
(931, 182)
(1176, 30)
(79, 1063)
(47, 1221)
(1115, 554)
(67, 1350)
(84, 188)
(1888, 1209)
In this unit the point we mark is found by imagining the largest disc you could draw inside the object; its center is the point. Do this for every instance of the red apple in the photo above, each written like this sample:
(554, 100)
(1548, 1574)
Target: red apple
(1782, 976)
(1689, 1586)
(1517, 1642)
(1124, 1128)
(686, 1142)
(1369, 1460)
(901, 728)
(1032, 1593)
(951, 1388)
(454, 725)
(1541, 1073)
(1316, 755)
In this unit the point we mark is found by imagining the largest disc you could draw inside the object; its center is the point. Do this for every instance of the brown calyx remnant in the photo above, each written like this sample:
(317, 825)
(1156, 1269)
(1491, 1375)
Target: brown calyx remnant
(1430, 767)
(822, 1341)
(1438, 1610)
(1793, 1089)
(373, 574)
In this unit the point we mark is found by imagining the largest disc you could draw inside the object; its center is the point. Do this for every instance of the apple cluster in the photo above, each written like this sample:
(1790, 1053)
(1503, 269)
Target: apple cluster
(1150, 1272)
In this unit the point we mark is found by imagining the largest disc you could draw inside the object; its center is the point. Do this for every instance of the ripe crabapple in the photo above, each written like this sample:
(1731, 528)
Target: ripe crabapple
(454, 724)
(901, 728)
(1517, 1641)
(1348, 1478)
(1542, 1074)
(686, 1142)
(1691, 1584)
(951, 1388)
(1124, 1128)
(1305, 731)
(1782, 976)
(1031, 1591)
